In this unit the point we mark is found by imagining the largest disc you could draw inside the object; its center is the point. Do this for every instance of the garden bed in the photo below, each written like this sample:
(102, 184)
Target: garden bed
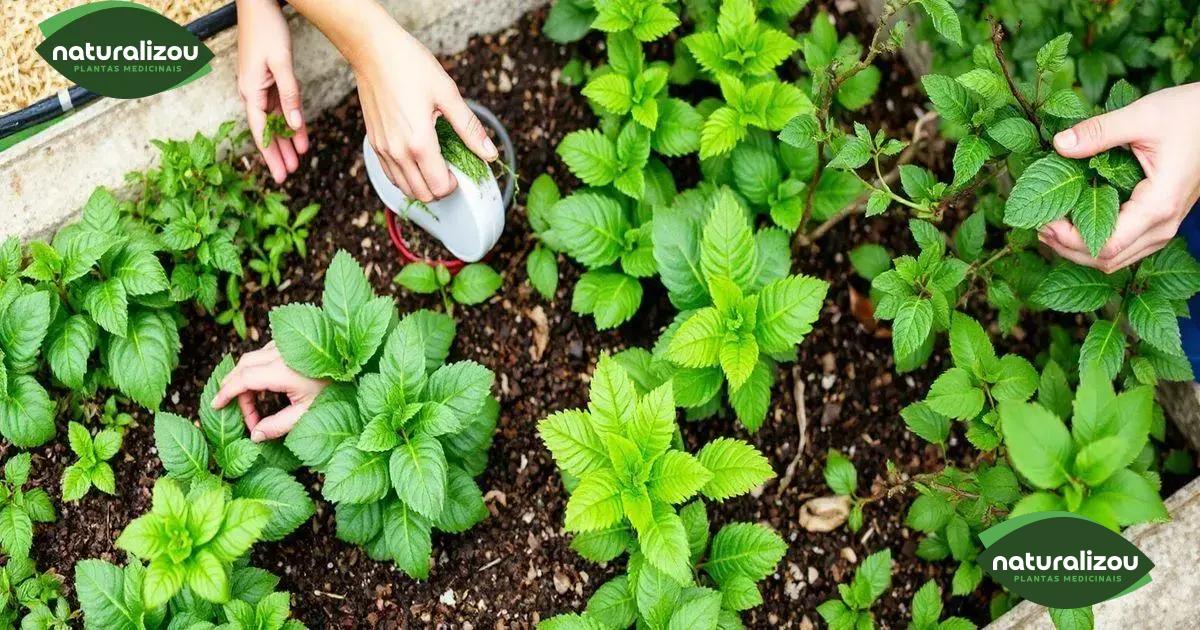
(516, 567)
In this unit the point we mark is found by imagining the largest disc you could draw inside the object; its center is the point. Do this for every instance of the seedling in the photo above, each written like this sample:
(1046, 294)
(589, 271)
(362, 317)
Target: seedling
(35, 600)
(852, 610)
(21, 508)
(91, 467)
(473, 284)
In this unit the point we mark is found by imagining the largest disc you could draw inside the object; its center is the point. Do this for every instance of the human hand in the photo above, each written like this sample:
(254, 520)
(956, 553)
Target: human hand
(267, 83)
(1163, 132)
(264, 371)
(403, 90)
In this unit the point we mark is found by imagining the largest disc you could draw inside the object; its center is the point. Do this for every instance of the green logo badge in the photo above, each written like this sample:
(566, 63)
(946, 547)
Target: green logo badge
(122, 49)
(1062, 560)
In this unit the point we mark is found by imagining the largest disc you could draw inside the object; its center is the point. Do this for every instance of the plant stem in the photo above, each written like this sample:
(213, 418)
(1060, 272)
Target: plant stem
(1026, 106)
(976, 268)
(826, 94)
(859, 205)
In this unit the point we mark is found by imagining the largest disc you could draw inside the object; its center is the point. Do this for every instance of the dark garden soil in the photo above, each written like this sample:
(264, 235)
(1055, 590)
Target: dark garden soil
(516, 567)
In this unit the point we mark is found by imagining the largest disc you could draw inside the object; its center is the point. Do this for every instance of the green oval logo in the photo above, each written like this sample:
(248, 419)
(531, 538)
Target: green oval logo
(1062, 560)
(122, 49)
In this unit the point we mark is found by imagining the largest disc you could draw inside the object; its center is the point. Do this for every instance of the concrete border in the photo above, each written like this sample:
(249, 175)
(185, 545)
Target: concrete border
(46, 179)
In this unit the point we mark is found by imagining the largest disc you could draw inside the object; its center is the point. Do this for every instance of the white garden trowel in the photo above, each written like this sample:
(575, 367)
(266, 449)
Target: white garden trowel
(470, 220)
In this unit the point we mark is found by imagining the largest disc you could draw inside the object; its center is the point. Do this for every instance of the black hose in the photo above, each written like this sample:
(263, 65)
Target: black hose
(51, 107)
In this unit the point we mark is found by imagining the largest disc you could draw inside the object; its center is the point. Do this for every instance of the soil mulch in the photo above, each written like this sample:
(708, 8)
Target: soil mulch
(516, 567)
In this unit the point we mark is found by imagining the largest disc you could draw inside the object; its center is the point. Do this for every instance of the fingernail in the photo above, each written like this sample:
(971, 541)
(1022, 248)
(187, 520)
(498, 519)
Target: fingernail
(1048, 234)
(1066, 139)
(257, 436)
(489, 147)
(294, 119)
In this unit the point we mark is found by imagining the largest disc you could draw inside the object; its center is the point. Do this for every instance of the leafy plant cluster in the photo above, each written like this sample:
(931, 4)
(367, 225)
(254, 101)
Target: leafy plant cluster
(1151, 43)
(115, 597)
(1049, 440)
(219, 452)
(725, 567)
(20, 507)
(209, 215)
(106, 290)
(401, 434)
(623, 461)
(30, 600)
(1002, 101)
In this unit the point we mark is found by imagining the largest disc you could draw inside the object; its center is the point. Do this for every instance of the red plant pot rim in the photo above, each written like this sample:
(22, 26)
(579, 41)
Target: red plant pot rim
(453, 265)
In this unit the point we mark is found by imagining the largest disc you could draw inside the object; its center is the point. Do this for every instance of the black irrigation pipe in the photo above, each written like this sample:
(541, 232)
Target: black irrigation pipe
(52, 107)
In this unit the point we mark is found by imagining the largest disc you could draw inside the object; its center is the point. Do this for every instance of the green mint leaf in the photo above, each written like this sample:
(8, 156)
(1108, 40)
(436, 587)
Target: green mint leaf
(1046, 191)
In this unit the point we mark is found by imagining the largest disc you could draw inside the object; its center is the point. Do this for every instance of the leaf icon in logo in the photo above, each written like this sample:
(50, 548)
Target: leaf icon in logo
(1062, 560)
(122, 49)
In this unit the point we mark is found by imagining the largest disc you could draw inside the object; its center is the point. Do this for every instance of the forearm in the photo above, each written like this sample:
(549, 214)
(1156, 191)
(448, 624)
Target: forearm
(351, 25)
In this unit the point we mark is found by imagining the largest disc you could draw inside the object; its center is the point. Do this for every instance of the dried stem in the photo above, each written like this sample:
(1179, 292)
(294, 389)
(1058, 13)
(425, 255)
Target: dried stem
(827, 92)
(859, 205)
(998, 47)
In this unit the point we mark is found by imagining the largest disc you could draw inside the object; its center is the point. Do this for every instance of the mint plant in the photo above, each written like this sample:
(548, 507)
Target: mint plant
(192, 539)
(273, 234)
(725, 581)
(26, 411)
(744, 312)
(842, 478)
(276, 126)
(20, 508)
(91, 468)
(35, 600)
(112, 597)
(1149, 43)
(220, 449)
(852, 610)
(402, 435)
(627, 471)
(927, 611)
(337, 340)
(473, 284)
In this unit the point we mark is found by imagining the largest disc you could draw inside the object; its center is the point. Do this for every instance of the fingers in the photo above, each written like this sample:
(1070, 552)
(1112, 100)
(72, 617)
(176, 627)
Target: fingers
(261, 370)
(1100, 133)
(257, 118)
(249, 411)
(467, 125)
(394, 173)
(1152, 203)
(287, 150)
(1064, 234)
(1145, 245)
(278, 425)
(289, 91)
(416, 181)
(428, 158)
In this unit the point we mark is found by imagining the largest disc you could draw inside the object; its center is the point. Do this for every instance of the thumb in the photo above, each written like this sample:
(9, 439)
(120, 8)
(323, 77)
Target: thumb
(278, 425)
(289, 91)
(1100, 133)
(467, 126)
